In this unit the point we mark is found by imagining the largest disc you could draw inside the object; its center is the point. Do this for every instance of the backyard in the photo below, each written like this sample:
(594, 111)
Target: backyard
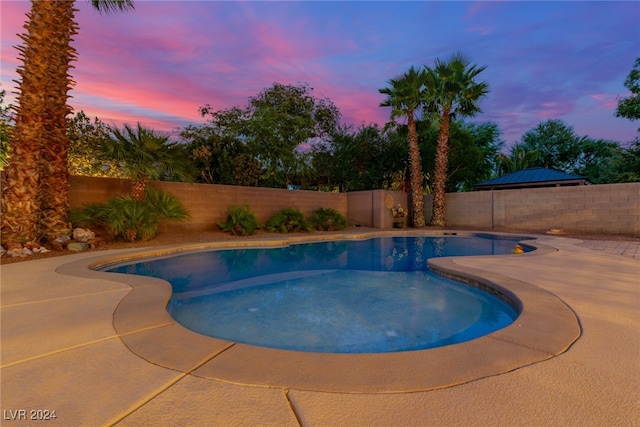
(109, 336)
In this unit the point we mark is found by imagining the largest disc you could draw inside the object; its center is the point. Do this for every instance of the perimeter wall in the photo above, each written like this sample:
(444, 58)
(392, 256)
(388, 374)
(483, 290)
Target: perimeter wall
(608, 209)
(209, 203)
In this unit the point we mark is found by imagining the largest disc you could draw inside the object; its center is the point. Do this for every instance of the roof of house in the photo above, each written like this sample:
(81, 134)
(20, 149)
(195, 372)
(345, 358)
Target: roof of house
(533, 177)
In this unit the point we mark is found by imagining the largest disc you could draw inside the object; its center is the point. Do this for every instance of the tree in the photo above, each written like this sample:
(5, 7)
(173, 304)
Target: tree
(281, 118)
(272, 128)
(450, 91)
(364, 159)
(625, 167)
(35, 201)
(596, 160)
(85, 156)
(404, 96)
(519, 158)
(629, 107)
(220, 158)
(6, 128)
(144, 155)
(472, 150)
(557, 145)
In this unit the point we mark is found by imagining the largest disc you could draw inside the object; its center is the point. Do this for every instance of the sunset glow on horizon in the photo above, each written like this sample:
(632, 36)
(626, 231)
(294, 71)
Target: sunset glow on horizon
(162, 61)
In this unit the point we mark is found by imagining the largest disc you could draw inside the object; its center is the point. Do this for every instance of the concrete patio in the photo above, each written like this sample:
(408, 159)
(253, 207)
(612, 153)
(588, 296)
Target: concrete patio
(101, 350)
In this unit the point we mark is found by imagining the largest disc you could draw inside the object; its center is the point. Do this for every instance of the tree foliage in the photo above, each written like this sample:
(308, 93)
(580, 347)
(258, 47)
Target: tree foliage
(6, 127)
(519, 158)
(363, 159)
(86, 158)
(558, 147)
(219, 157)
(143, 154)
(625, 166)
(268, 134)
(629, 107)
(472, 151)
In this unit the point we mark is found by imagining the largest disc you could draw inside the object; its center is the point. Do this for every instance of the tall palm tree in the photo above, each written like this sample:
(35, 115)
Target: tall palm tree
(450, 91)
(144, 155)
(35, 201)
(404, 96)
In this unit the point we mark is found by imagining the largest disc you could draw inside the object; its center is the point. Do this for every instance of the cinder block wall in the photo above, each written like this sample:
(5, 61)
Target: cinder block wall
(369, 208)
(209, 204)
(609, 209)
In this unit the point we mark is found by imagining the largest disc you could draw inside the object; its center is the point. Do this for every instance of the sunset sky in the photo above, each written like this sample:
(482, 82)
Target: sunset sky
(159, 63)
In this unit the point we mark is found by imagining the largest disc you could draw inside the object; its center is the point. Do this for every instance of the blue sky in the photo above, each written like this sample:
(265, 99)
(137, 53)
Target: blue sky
(159, 63)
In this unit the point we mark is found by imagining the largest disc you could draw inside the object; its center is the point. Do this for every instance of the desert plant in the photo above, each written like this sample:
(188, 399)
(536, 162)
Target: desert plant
(328, 219)
(132, 219)
(165, 204)
(287, 221)
(241, 221)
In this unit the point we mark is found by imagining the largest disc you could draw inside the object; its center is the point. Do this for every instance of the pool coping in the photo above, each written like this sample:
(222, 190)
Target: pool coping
(546, 328)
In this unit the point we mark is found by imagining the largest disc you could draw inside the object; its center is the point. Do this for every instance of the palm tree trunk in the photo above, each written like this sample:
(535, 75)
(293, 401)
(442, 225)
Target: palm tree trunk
(138, 188)
(442, 159)
(20, 201)
(415, 163)
(35, 199)
(54, 183)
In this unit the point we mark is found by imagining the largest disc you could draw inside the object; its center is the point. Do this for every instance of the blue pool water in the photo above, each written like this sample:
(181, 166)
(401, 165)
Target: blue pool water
(370, 296)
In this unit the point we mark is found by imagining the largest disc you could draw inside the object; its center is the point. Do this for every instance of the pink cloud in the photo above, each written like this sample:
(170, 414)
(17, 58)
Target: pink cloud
(161, 62)
(550, 110)
(606, 100)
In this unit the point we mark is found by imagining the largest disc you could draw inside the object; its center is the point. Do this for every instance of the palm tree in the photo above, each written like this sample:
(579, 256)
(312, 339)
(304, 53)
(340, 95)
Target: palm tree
(404, 96)
(450, 91)
(144, 155)
(35, 200)
(520, 158)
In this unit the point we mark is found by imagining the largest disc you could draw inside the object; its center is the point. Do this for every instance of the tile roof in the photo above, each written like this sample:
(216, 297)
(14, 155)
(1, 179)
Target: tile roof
(530, 176)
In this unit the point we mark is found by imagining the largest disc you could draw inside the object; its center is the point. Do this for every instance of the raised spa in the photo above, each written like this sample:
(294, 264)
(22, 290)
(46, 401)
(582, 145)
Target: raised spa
(368, 296)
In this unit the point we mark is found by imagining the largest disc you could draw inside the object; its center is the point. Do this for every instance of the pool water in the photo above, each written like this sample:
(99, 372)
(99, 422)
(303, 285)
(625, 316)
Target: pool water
(370, 296)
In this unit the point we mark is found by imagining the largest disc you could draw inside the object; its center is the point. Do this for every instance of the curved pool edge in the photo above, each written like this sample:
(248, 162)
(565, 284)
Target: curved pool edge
(546, 328)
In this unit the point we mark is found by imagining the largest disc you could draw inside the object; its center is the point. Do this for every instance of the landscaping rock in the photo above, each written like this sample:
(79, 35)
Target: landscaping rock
(32, 245)
(13, 246)
(83, 235)
(97, 242)
(77, 246)
(55, 245)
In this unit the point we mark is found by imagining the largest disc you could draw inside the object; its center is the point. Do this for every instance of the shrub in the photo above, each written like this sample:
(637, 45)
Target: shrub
(288, 221)
(328, 219)
(132, 219)
(241, 221)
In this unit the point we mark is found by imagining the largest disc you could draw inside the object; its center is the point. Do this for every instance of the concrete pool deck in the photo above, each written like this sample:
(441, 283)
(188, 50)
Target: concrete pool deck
(102, 351)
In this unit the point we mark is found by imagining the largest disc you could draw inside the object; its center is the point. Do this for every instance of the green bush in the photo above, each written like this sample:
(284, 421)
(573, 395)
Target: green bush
(288, 221)
(328, 219)
(241, 221)
(132, 219)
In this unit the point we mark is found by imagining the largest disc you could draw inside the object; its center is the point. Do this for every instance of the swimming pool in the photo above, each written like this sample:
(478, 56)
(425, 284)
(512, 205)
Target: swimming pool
(367, 296)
